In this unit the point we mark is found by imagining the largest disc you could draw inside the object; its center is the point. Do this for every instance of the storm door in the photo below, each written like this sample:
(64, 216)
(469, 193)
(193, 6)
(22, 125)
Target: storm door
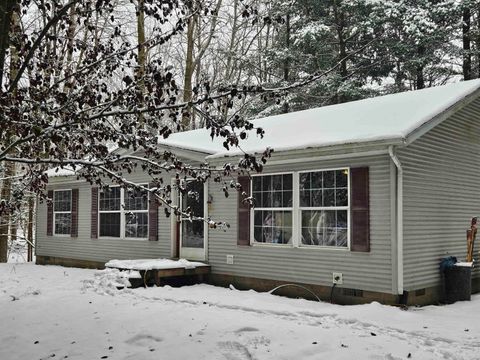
(192, 231)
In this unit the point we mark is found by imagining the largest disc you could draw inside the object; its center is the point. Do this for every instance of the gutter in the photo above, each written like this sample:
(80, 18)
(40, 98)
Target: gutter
(399, 218)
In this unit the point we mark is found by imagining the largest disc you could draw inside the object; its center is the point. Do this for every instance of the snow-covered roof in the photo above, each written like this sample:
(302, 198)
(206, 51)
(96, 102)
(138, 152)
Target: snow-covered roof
(385, 118)
(58, 172)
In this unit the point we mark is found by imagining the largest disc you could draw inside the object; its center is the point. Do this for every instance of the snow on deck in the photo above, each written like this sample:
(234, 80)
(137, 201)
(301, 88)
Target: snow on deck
(154, 264)
(390, 117)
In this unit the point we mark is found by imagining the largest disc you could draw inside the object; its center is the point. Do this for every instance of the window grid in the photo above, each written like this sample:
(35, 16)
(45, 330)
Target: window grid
(340, 207)
(62, 212)
(325, 222)
(136, 214)
(129, 223)
(272, 218)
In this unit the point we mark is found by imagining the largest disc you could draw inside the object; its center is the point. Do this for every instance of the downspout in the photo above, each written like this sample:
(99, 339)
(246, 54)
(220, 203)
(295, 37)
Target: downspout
(399, 222)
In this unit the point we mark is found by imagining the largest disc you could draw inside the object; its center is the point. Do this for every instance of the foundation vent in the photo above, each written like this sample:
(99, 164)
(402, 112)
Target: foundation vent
(353, 292)
(420, 292)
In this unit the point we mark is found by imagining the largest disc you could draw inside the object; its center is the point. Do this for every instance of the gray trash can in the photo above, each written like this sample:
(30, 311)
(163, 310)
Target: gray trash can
(458, 283)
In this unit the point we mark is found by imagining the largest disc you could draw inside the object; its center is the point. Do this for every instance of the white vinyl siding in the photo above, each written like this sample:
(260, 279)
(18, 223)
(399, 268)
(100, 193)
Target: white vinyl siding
(361, 270)
(102, 249)
(441, 181)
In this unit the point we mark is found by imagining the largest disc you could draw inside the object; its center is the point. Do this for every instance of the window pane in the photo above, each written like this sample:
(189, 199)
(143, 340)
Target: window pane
(63, 224)
(324, 188)
(257, 198)
(110, 224)
(273, 227)
(341, 178)
(273, 191)
(277, 199)
(316, 198)
(266, 183)
(287, 198)
(62, 201)
(341, 197)
(136, 225)
(342, 219)
(287, 182)
(266, 199)
(317, 180)
(192, 234)
(329, 197)
(305, 181)
(328, 179)
(136, 199)
(277, 182)
(324, 227)
(342, 237)
(304, 198)
(257, 183)
(110, 199)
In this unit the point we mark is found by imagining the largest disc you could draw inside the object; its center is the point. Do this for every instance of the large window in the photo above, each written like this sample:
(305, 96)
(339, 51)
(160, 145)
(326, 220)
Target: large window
(324, 208)
(136, 214)
(62, 212)
(272, 216)
(306, 208)
(123, 213)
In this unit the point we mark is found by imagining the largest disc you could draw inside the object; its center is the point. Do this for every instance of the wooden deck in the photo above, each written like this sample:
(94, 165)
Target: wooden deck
(160, 276)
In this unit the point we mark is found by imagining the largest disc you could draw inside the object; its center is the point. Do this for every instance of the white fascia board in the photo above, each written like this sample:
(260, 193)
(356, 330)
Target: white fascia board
(185, 153)
(344, 151)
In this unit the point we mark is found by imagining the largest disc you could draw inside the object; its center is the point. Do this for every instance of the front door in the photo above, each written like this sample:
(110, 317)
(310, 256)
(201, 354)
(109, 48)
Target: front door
(192, 232)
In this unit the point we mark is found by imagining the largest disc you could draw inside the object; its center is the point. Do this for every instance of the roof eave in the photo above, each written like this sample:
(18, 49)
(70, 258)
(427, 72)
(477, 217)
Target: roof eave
(196, 155)
(441, 117)
(344, 148)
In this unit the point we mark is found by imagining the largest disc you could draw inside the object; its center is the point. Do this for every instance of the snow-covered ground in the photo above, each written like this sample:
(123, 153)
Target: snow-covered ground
(51, 312)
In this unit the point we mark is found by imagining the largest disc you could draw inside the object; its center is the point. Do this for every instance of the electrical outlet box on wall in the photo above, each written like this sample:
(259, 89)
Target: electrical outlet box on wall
(337, 278)
(230, 259)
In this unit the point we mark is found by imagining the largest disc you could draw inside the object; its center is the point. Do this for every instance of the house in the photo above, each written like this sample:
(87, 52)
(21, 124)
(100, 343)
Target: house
(372, 192)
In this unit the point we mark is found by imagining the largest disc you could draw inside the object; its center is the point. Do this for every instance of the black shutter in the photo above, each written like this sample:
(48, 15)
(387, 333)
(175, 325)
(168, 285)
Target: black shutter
(74, 226)
(94, 214)
(243, 213)
(50, 213)
(360, 212)
(152, 217)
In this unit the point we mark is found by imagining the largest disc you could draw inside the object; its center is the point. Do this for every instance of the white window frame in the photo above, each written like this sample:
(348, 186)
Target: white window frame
(62, 212)
(297, 212)
(292, 209)
(123, 212)
(319, 208)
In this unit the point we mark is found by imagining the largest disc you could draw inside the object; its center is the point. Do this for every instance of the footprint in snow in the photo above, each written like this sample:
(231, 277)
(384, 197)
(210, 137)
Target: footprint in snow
(246, 329)
(143, 340)
(233, 350)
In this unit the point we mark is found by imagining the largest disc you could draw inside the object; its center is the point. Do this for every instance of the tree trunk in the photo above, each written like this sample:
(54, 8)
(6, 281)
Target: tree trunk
(420, 80)
(286, 64)
(31, 209)
(467, 56)
(142, 54)
(189, 68)
(342, 46)
(478, 41)
(231, 47)
(5, 218)
(6, 11)
(70, 45)
(9, 171)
